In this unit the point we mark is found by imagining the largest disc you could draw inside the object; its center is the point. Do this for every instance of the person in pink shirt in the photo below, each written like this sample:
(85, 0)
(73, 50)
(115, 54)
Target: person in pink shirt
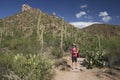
(74, 52)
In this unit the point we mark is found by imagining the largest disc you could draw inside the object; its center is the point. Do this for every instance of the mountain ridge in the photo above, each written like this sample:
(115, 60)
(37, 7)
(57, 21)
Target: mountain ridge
(31, 14)
(103, 30)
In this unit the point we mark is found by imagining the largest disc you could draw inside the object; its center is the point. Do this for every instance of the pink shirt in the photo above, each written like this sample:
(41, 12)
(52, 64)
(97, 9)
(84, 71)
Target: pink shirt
(74, 52)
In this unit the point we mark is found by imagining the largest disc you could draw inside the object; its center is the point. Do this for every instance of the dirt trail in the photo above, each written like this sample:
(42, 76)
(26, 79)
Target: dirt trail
(83, 74)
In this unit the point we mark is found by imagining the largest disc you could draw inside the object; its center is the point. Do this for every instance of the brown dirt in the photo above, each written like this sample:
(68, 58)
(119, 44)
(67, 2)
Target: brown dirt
(82, 74)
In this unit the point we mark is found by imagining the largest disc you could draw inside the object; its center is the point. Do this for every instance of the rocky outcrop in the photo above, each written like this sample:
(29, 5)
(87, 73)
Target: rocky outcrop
(25, 7)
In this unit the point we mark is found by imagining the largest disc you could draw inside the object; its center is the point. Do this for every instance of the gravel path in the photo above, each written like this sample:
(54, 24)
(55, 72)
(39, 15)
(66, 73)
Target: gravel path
(81, 74)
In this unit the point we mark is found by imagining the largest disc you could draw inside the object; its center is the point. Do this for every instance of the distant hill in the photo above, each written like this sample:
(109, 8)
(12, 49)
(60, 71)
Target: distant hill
(104, 30)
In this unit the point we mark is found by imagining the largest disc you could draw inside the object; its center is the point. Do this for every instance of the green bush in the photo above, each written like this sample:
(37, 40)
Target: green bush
(112, 49)
(29, 67)
(57, 52)
(67, 44)
(6, 60)
(94, 59)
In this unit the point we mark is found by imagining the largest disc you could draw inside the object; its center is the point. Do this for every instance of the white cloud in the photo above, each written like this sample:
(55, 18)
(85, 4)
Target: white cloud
(102, 14)
(80, 14)
(84, 6)
(105, 16)
(83, 24)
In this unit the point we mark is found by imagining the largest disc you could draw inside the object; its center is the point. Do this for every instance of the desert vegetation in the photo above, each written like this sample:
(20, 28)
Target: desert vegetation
(32, 40)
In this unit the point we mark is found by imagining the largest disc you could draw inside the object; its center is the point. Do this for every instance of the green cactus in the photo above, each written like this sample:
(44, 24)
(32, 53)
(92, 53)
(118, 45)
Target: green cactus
(61, 39)
(94, 58)
(40, 32)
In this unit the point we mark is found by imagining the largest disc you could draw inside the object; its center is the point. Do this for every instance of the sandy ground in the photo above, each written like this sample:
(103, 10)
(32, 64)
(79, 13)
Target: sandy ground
(87, 75)
(84, 74)
(81, 74)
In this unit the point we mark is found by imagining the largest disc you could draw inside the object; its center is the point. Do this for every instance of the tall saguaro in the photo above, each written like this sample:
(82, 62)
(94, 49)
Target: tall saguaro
(65, 31)
(42, 39)
(62, 31)
(40, 32)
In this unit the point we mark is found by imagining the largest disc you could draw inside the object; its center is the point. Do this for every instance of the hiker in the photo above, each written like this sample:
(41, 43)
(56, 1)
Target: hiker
(74, 53)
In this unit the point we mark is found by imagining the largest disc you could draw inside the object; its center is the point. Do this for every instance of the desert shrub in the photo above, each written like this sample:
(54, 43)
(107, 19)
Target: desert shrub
(94, 58)
(57, 52)
(86, 42)
(67, 44)
(112, 49)
(19, 44)
(6, 60)
(93, 51)
(29, 67)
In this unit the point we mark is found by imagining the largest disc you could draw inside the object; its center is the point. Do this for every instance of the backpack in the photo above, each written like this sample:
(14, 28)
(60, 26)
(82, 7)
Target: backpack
(78, 55)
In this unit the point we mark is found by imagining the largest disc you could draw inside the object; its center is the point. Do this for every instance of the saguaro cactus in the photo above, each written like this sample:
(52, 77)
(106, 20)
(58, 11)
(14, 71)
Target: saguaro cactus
(1, 36)
(62, 30)
(42, 40)
(65, 31)
(40, 32)
(38, 27)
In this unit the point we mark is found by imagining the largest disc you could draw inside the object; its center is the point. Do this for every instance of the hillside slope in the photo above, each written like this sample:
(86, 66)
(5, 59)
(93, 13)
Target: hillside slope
(105, 30)
(23, 30)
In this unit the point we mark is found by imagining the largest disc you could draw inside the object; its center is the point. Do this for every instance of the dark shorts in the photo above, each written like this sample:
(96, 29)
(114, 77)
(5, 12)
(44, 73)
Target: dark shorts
(74, 59)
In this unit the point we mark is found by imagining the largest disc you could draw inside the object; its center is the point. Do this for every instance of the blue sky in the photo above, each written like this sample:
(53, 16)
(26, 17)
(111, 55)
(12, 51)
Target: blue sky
(77, 12)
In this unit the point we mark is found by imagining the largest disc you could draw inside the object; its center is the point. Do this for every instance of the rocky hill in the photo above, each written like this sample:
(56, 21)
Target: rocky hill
(28, 19)
(104, 30)
(23, 30)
